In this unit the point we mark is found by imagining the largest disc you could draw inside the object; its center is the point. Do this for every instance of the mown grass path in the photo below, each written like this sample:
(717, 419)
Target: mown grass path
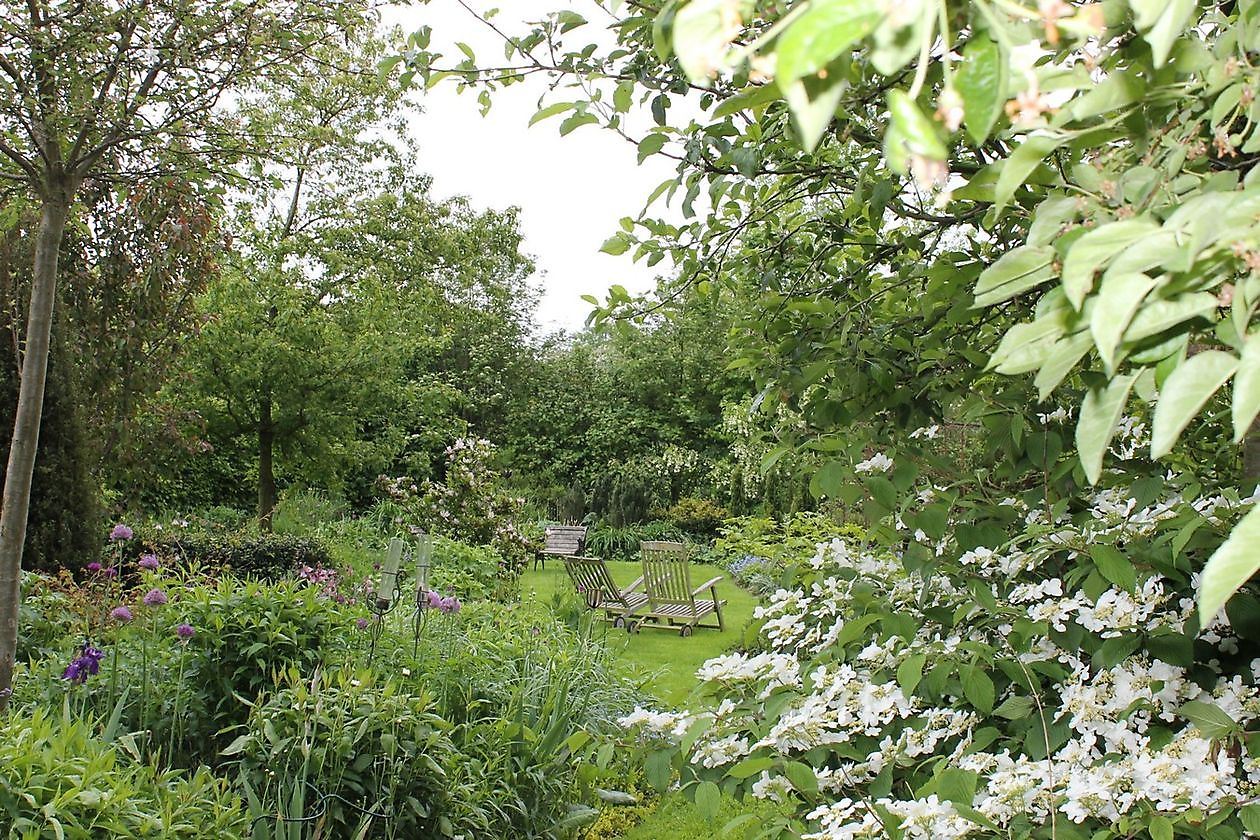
(664, 662)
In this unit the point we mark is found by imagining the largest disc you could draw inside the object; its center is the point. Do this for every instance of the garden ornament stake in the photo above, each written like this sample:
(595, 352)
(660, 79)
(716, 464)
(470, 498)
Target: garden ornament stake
(424, 561)
(386, 596)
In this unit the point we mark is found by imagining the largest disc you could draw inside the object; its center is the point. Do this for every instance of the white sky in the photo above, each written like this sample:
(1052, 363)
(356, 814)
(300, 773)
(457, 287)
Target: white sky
(571, 190)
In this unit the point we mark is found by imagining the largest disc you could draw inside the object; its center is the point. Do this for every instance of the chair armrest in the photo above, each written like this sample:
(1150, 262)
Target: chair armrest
(634, 587)
(712, 584)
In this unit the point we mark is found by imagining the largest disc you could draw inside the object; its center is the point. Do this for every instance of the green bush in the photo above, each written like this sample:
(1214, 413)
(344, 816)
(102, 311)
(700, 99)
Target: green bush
(45, 616)
(473, 572)
(301, 512)
(368, 744)
(757, 550)
(697, 516)
(522, 693)
(246, 632)
(262, 556)
(56, 780)
(612, 543)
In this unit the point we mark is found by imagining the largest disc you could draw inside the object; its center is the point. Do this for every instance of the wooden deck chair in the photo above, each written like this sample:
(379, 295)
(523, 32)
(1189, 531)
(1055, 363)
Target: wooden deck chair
(671, 599)
(561, 541)
(593, 582)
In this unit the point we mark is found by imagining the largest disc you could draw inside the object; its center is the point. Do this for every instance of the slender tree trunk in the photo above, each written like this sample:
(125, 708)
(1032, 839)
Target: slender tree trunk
(25, 442)
(266, 472)
(1251, 455)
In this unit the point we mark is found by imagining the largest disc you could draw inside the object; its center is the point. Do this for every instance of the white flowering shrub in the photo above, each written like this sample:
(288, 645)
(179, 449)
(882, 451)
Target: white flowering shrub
(1054, 685)
(469, 504)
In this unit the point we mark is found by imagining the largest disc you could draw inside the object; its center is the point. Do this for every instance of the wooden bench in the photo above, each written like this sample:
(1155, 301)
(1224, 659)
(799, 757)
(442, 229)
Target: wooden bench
(561, 541)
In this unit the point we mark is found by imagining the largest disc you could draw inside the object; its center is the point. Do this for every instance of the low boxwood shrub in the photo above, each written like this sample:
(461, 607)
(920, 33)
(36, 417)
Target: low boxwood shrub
(698, 516)
(367, 744)
(57, 780)
(261, 556)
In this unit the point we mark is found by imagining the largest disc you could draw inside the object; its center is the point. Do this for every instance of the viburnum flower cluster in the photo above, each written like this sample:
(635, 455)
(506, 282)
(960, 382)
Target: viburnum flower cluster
(1059, 679)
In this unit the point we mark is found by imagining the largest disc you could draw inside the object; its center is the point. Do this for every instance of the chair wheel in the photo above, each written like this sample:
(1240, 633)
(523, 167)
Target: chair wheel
(632, 627)
(619, 621)
(685, 631)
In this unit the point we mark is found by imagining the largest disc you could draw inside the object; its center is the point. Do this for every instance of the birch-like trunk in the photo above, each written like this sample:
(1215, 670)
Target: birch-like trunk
(25, 441)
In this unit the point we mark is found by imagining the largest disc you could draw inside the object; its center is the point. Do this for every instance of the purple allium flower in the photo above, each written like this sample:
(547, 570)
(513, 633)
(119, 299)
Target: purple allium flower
(120, 532)
(93, 567)
(122, 614)
(449, 604)
(154, 598)
(184, 631)
(87, 663)
(109, 572)
(362, 623)
(150, 562)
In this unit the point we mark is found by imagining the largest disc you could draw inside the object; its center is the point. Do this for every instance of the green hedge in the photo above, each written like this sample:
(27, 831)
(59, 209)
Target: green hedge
(261, 556)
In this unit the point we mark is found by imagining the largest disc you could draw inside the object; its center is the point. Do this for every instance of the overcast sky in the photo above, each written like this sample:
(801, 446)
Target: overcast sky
(571, 190)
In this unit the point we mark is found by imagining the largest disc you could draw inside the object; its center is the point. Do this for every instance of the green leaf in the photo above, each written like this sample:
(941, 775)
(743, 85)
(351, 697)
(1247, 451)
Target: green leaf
(830, 479)
(1114, 566)
(701, 37)
(576, 121)
(1100, 412)
(658, 770)
(978, 688)
(958, 786)
(1162, 22)
(1059, 361)
(1016, 169)
(827, 29)
(708, 800)
(551, 110)
(750, 767)
(981, 82)
(1015, 707)
(1185, 392)
(1160, 827)
(616, 244)
(623, 97)
(1088, 253)
(746, 99)
(1208, 718)
(650, 145)
(1120, 88)
(1155, 316)
(1247, 388)
(1250, 816)
(812, 102)
(1230, 566)
(1118, 299)
(915, 130)
(802, 777)
(909, 672)
(1015, 271)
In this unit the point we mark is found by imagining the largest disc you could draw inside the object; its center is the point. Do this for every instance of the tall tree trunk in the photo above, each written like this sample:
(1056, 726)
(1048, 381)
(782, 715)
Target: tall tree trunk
(266, 473)
(25, 441)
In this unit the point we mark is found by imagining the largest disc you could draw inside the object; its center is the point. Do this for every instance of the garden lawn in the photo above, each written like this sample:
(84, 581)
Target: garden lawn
(664, 662)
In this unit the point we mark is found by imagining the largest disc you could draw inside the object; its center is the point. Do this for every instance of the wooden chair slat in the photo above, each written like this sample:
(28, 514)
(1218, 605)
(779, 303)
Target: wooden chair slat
(667, 583)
